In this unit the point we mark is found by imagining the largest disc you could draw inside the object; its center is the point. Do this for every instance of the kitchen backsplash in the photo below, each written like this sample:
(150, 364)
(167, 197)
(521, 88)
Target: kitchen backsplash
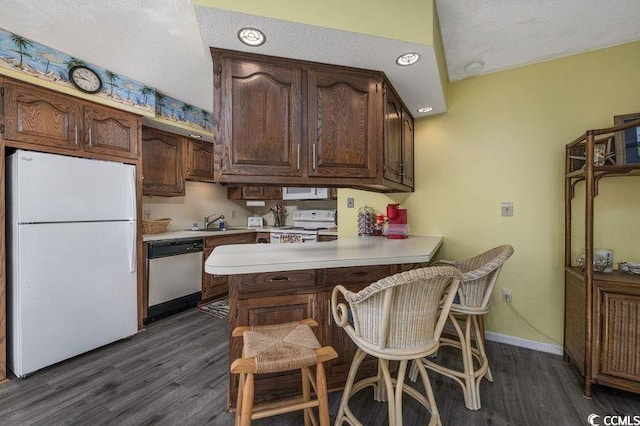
(205, 199)
(200, 200)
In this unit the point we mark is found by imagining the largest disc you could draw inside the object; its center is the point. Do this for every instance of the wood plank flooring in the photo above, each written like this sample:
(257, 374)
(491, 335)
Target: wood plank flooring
(175, 373)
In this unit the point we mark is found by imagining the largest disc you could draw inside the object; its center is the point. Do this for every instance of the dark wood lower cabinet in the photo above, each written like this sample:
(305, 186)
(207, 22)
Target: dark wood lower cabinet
(277, 297)
(216, 286)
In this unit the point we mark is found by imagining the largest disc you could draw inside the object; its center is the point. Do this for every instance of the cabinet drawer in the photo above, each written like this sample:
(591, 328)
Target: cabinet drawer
(281, 281)
(358, 275)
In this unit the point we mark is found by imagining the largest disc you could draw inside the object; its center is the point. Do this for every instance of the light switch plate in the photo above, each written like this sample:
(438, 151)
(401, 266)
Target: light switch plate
(507, 208)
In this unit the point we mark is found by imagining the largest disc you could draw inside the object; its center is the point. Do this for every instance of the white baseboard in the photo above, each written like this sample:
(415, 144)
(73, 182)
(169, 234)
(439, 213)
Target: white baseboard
(524, 343)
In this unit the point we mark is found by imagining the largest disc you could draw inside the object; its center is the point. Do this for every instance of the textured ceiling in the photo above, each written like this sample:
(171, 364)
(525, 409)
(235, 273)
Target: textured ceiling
(164, 43)
(510, 33)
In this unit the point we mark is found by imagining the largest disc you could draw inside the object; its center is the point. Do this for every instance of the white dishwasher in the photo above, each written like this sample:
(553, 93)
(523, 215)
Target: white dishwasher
(174, 276)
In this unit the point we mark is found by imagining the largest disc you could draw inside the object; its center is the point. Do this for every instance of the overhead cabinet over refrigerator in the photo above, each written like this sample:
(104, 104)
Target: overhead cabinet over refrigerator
(71, 257)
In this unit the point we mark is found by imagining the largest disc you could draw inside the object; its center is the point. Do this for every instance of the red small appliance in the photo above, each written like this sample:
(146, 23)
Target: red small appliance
(397, 220)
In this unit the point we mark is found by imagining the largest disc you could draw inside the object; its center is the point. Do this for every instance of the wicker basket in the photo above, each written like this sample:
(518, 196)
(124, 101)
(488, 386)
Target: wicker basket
(157, 226)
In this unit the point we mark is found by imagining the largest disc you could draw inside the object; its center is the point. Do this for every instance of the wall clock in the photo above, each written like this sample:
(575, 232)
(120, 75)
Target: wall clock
(85, 79)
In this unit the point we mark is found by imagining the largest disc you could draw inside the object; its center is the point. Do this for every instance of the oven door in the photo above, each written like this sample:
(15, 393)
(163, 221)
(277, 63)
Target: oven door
(292, 237)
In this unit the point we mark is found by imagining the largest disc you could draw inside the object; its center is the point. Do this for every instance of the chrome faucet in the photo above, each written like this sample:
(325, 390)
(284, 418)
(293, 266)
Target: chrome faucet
(208, 221)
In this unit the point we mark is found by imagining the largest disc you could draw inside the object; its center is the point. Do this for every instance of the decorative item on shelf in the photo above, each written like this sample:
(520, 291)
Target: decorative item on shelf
(602, 260)
(628, 140)
(629, 268)
(603, 153)
(155, 226)
(279, 214)
(366, 221)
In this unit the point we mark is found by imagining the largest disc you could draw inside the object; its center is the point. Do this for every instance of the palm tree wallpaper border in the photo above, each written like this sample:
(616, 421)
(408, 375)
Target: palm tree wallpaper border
(29, 57)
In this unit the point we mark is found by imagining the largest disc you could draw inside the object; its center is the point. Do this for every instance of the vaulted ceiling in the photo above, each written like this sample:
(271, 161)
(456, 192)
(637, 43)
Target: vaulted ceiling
(164, 43)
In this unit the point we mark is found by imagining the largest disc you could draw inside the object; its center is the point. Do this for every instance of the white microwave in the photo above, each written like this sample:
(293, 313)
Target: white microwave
(300, 193)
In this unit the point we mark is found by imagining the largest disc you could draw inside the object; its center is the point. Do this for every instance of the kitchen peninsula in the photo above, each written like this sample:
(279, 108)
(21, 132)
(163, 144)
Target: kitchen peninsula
(275, 283)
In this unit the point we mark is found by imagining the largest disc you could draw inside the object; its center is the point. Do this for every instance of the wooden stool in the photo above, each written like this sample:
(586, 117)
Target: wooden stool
(277, 348)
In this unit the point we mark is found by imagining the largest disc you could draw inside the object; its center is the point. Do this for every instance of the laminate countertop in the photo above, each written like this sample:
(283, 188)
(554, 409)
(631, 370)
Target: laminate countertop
(343, 252)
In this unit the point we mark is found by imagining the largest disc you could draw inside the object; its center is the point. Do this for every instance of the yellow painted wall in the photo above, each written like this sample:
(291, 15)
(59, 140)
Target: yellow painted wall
(503, 139)
(374, 17)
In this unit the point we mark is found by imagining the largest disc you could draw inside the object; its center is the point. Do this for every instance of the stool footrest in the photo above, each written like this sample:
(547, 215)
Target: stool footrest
(269, 409)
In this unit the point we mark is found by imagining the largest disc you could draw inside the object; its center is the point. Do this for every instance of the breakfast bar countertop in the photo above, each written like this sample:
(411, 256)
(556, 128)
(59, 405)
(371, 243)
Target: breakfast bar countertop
(343, 252)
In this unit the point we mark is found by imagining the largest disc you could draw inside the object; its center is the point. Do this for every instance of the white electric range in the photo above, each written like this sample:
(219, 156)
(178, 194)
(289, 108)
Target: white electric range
(306, 224)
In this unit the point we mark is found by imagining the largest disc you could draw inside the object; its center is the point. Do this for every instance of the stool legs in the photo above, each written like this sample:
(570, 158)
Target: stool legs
(323, 398)
(247, 401)
(469, 378)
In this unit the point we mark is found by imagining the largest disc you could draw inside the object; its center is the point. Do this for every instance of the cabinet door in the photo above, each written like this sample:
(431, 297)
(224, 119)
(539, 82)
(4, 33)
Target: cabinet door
(161, 163)
(41, 117)
(199, 161)
(344, 123)
(263, 311)
(407, 150)
(216, 286)
(213, 286)
(260, 117)
(620, 350)
(393, 126)
(111, 132)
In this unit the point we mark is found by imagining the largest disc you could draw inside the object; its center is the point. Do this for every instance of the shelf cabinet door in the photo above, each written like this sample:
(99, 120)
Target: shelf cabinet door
(41, 117)
(620, 351)
(162, 163)
(344, 122)
(110, 132)
(259, 104)
(199, 161)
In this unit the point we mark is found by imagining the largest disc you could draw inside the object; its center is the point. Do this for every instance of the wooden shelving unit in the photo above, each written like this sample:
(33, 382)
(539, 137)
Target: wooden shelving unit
(602, 310)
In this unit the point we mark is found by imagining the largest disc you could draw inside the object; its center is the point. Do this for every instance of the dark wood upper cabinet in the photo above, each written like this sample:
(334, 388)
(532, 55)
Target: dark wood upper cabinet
(110, 131)
(285, 122)
(37, 118)
(408, 166)
(162, 161)
(392, 136)
(259, 116)
(198, 160)
(41, 117)
(343, 123)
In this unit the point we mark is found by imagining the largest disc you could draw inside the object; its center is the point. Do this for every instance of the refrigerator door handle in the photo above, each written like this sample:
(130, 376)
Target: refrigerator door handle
(132, 190)
(132, 247)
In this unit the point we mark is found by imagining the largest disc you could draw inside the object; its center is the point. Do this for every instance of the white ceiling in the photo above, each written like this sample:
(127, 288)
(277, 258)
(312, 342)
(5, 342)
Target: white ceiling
(164, 43)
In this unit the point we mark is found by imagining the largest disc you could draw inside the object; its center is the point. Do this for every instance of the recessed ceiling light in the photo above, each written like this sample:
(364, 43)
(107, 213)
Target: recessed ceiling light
(252, 36)
(474, 67)
(425, 109)
(407, 59)
(193, 135)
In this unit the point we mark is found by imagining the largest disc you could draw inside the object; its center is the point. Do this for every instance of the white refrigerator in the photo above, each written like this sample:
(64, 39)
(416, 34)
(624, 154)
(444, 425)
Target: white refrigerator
(71, 257)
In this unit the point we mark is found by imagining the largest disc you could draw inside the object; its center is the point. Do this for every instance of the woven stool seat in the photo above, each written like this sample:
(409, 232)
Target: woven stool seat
(277, 348)
(281, 347)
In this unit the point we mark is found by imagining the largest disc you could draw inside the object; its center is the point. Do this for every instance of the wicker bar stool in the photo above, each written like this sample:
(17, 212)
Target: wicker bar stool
(277, 348)
(479, 276)
(398, 318)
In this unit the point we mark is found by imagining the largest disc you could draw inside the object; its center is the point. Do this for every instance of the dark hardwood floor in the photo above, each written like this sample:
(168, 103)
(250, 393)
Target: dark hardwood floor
(175, 373)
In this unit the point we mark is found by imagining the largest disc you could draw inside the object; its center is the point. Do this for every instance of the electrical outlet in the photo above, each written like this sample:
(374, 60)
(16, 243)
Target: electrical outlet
(506, 295)
(350, 202)
(233, 214)
(507, 208)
